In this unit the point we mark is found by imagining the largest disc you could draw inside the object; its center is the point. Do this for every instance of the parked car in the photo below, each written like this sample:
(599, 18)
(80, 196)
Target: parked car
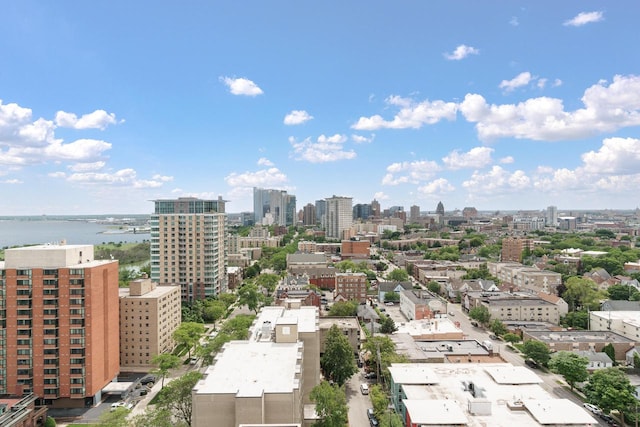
(373, 422)
(364, 388)
(116, 405)
(608, 419)
(532, 364)
(592, 408)
(388, 303)
(148, 380)
(371, 375)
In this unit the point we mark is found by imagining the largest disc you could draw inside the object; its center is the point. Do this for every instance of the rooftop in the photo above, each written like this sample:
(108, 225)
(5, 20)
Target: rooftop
(250, 369)
(579, 336)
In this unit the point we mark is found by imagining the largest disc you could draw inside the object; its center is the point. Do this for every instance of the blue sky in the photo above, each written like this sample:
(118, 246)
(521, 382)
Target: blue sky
(497, 105)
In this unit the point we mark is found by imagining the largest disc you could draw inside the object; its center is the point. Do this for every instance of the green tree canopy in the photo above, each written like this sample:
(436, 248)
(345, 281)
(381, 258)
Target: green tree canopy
(580, 293)
(337, 362)
(116, 418)
(571, 366)
(175, 397)
(249, 295)
(188, 334)
(480, 314)
(511, 338)
(434, 287)
(268, 281)
(398, 275)
(623, 293)
(344, 309)
(155, 417)
(331, 405)
(227, 299)
(165, 362)
(610, 389)
(497, 327)
(575, 319)
(391, 296)
(537, 351)
(213, 311)
(387, 325)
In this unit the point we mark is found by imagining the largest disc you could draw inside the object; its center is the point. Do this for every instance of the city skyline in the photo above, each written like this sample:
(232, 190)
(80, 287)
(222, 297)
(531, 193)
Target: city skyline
(106, 107)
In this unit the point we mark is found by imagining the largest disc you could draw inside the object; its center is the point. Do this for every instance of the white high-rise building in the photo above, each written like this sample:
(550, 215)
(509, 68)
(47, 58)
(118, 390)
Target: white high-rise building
(552, 216)
(339, 216)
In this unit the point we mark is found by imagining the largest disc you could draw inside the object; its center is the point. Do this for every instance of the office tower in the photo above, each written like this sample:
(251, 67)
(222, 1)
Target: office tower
(414, 213)
(321, 210)
(309, 215)
(149, 315)
(552, 216)
(59, 337)
(440, 209)
(188, 246)
(375, 208)
(274, 207)
(339, 216)
(362, 211)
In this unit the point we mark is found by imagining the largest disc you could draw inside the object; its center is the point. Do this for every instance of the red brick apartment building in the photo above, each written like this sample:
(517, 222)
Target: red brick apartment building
(59, 331)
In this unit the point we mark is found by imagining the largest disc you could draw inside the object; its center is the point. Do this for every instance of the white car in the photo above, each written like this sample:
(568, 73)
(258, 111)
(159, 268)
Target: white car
(116, 405)
(593, 408)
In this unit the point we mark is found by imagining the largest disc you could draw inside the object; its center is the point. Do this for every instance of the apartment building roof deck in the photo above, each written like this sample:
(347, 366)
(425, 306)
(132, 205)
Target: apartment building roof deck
(250, 369)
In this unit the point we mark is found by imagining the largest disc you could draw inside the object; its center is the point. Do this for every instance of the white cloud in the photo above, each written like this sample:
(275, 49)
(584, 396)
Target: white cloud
(506, 160)
(79, 150)
(514, 21)
(541, 83)
(520, 80)
(263, 161)
(606, 108)
(380, 196)
(411, 115)
(57, 175)
(557, 82)
(476, 158)
(461, 52)
(297, 117)
(162, 178)
(438, 186)
(124, 177)
(241, 86)
(326, 149)
(271, 177)
(584, 18)
(410, 172)
(86, 167)
(12, 181)
(496, 182)
(359, 139)
(615, 156)
(99, 119)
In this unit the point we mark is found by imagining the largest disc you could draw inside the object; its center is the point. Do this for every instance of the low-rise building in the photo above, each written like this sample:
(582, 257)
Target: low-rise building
(625, 323)
(582, 341)
(351, 286)
(421, 304)
(21, 411)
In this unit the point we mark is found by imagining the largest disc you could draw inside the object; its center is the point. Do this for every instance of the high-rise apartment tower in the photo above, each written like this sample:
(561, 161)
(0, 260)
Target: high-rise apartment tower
(188, 246)
(339, 216)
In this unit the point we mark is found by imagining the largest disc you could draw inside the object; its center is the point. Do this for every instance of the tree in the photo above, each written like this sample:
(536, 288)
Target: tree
(576, 319)
(610, 351)
(214, 311)
(391, 296)
(636, 360)
(188, 334)
(387, 325)
(154, 417)
(610, 389)
(434, 287)
(165, 362)
(344, 309)
(227, 299)
(536, 351)
(622, 293)
(268, 281)
(176, 396)
(511, 338)
(398, 275)
(571, 366)
(50, 422)
(337, 362)
(248, 295)
(497, 327)
(331, 405)
(580, 293)
(480, 314)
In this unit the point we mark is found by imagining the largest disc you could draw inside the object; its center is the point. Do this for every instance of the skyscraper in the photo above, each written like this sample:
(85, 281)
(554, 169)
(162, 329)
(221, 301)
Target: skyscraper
(188, 246)
(59, 335)
(414, 213)
(440, 209)
(551, 219)
(321, 210)
(309, 215)
(339, 216)
(375, 208)
(277, 205)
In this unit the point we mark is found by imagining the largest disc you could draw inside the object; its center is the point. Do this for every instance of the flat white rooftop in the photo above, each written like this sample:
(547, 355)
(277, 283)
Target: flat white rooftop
(440, 325)
(510, 402)
(305, 317)
(251, 369)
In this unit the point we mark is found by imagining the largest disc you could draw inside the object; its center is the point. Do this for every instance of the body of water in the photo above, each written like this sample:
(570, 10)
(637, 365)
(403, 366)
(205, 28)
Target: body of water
(20, 231)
